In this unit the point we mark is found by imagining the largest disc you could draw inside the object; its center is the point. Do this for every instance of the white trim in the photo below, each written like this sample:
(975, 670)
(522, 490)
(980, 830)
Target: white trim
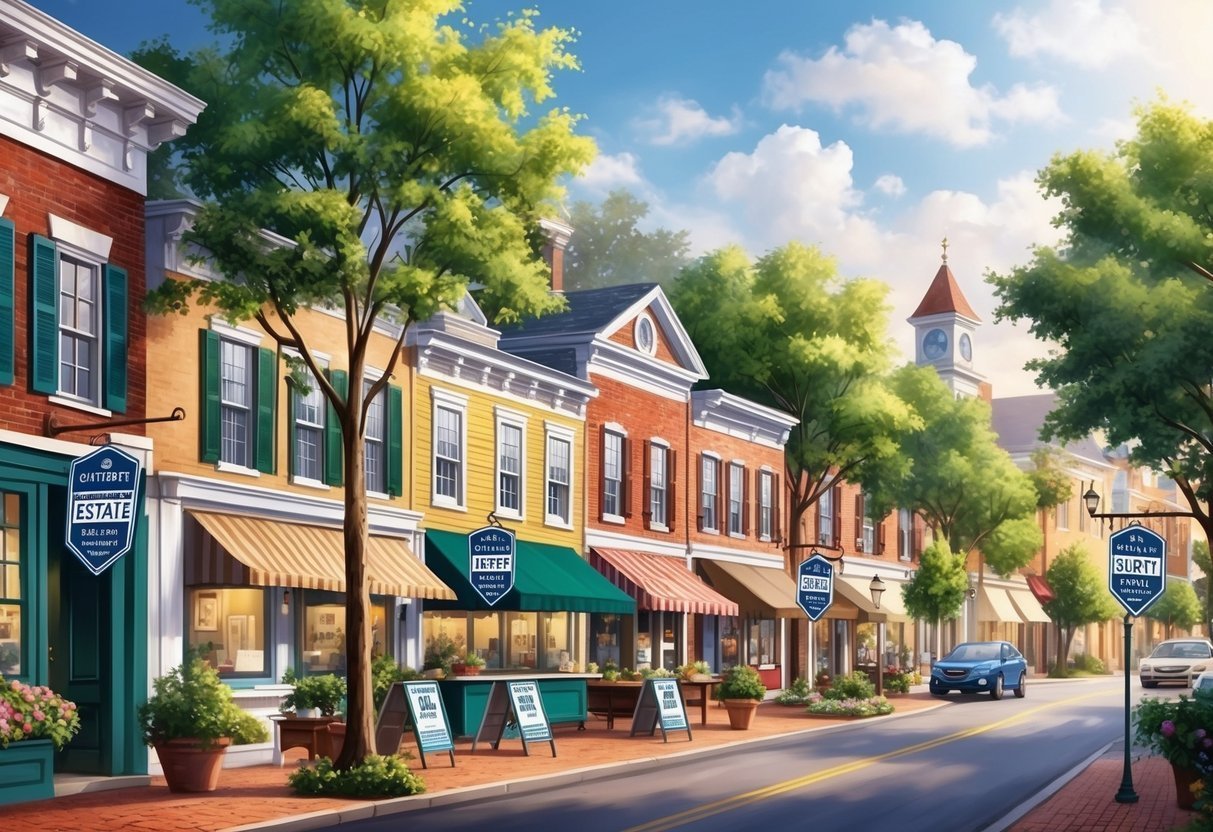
(610, 539)
(79, 404)
(641, 320)
(616, 427)
(233, 332)
(447, 400)
(504, 417)
(308, 482)
(657, 440)
(563, 433)
(732, 415)
(84, 239)
(3, 203)
(233, 468)
(712, 551)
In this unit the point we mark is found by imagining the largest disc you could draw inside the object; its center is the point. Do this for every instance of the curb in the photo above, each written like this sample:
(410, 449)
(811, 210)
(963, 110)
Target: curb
(1020, 811)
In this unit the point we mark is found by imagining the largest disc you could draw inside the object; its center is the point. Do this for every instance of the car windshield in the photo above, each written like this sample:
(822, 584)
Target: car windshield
(1181, 650)
(974, 653)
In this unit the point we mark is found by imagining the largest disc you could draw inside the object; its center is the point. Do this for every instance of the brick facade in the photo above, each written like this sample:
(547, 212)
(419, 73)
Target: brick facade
(755, 457)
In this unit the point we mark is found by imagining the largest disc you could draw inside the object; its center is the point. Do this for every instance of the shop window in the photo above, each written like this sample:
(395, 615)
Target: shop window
(12, 595)
(522, 647)
(324, 649)
(485, 639)
(605, 630)
(762, 645)
(509, 640)
(730, 642)
(444, 626)
(230, 628)
(822, 644)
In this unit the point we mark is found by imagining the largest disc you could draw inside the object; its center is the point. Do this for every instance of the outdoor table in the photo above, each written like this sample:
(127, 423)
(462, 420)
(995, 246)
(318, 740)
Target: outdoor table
(310, 733)
(704, 688)
(610, 699)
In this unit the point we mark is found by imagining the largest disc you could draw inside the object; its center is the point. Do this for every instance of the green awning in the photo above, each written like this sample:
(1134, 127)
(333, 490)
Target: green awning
(546, 579)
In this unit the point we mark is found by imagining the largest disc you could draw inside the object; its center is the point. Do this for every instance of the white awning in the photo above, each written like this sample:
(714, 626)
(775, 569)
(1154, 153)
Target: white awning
(1029, 608)
(994, 604)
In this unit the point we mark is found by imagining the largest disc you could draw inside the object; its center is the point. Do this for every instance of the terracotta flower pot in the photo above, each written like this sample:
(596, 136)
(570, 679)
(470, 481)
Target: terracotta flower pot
(188, 766)
(1185, 778)
(741, 712)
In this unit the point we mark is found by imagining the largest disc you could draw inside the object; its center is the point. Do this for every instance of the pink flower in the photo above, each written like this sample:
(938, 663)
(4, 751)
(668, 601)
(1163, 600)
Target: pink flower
(38, 715)
(27, 727)
(1167, 729)
(1200, 733)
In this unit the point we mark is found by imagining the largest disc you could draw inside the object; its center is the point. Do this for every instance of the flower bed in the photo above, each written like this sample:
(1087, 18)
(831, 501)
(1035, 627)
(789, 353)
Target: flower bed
(871, 706)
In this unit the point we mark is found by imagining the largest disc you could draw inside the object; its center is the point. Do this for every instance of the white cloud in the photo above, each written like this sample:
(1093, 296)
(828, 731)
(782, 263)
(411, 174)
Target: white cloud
(890, 185)
(608, 172)
(1081, 32)
(681, 121)
(901, 78)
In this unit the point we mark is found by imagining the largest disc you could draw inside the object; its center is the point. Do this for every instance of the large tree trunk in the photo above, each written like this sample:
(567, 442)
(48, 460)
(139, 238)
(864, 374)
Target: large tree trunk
(805, 666)
(360, 709)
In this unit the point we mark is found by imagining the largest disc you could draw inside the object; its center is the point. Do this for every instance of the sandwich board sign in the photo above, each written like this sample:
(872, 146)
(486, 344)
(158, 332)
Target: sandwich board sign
(1137, 567)
(491, 557)
(102, 504)
(419, 704)
(815, 586)
(515, 703)
(660, 704)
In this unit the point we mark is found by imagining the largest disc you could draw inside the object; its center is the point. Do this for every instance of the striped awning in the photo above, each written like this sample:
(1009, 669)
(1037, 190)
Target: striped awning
(660, 582)
(234, 550)
(993, 604)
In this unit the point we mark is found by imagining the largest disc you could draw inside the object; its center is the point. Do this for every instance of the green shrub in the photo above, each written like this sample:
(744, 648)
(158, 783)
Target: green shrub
(855, 685)
(384, 673)
(1089, 664)
(796, 693)
(326, 692)
(190, 701)
(742, 682)
(897, 682)
(375, 776)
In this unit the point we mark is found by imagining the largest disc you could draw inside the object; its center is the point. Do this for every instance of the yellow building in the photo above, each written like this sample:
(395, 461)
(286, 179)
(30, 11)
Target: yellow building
(500, 440)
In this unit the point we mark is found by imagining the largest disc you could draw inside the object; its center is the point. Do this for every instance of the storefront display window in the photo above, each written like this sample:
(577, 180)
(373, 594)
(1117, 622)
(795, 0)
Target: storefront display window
(604, 638)
(508, 640)
(730, 642)
(763, 648)
(229, 627)
(11, 595)
(821, 645)
(486, 637)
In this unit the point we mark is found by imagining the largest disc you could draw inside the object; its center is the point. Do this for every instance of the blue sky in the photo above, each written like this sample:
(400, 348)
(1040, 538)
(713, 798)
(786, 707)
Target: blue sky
(870, 128)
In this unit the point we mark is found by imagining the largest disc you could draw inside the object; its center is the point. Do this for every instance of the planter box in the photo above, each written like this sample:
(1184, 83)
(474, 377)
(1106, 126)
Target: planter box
(27, 771)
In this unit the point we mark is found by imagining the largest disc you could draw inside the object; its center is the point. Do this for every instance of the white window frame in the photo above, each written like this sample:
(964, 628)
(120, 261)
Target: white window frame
(766, 505)
(1063, 515)
(825, 519)
(381, 440)
(709, 460)
(868, 526)
(251, 339)
(504, 418)
(446, 400)
(905, 533)
(617, 431)
(319, 426)
(91, 249)
(738, 494)
(661, 445)
(558, 433)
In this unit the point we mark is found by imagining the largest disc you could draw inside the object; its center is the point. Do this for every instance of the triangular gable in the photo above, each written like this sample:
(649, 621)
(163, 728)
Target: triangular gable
(673, 344)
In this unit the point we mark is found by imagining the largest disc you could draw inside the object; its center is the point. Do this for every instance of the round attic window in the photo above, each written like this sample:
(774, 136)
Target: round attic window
(646, 335)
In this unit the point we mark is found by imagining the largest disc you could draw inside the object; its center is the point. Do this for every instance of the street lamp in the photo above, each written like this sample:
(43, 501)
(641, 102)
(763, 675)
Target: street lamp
(1090, 499)
(876, 588)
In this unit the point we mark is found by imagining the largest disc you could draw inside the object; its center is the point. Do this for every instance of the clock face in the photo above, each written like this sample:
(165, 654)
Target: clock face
(966, 348)
(935, 344)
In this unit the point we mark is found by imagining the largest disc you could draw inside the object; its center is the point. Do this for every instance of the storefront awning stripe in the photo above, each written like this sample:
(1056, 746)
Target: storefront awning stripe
(660, 582)
(767, 591)
(237, 550)
(993, 604)
(855, 588)
(1027, 605)
(1040, 588)
(547, 578)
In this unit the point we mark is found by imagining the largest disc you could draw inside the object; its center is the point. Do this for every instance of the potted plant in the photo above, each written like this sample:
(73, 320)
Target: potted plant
(469, 665)
(696, 671)
(741, 691)
(34, 723)
(440, 654)
(1181, 730)
(313, 696)
(191, 719)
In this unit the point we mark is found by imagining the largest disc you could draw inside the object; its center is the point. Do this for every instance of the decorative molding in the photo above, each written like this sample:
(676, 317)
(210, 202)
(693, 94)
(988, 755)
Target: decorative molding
(23, 49)
(732, 415)
(618, 540)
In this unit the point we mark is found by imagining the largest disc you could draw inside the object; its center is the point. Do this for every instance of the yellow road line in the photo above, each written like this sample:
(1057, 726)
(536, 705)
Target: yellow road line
(745, 799)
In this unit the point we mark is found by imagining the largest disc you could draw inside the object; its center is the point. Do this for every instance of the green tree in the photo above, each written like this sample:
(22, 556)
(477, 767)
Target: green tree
(1053, 484)
(950, 470)
(392, 148)
(1200, 557)
(1080, 597)
(788, 332)
(608, 249)
(1126, 302)
(937, 590)
(1177, 607)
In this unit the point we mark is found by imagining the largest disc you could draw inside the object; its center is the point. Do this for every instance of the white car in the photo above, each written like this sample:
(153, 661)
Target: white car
(1203, 683)
(1176, 660)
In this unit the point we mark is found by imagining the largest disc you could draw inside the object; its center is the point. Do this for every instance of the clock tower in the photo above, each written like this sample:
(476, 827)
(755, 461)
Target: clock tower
(945, 328)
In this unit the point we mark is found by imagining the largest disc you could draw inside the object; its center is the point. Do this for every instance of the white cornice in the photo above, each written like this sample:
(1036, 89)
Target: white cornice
(734, 416)
(764, 560)
(616, 540)
(635, 368)
(75, 100)
(657, 304)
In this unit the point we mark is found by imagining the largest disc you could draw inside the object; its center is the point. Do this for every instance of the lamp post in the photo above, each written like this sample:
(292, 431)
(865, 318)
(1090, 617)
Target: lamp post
(1126, 793)
(876, 589)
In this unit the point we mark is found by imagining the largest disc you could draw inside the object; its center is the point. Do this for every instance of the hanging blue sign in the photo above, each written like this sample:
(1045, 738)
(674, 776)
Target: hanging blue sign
(101, 507)
(815, 586)
(491, 558)
(1137, 567)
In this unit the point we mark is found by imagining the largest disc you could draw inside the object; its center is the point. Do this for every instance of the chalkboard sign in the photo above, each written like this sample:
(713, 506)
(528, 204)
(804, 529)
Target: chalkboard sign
(418, 704)
(660, 704)
(515, 703)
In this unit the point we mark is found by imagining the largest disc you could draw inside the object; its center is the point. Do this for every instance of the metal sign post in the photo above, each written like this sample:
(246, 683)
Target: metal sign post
(1137, 577)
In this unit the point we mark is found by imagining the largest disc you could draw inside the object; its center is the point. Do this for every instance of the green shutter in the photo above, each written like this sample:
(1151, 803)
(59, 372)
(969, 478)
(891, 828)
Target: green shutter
(211, 426)
(116, 290)
(395, 450)
(332, 430)
(7, 310)
(44, 316)
(267, 408)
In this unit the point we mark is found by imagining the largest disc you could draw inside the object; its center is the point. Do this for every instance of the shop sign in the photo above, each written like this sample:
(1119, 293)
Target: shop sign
(815, 586)
(491, 558)
(528, 712)
(102, 493)
(660, 704)
(1137, 567)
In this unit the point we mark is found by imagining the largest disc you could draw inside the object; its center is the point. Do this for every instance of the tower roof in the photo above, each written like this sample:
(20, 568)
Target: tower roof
(944, 296)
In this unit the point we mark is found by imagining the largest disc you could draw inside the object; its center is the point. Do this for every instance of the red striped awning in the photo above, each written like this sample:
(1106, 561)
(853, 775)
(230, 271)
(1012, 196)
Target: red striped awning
(1040, 588)
(660, 582)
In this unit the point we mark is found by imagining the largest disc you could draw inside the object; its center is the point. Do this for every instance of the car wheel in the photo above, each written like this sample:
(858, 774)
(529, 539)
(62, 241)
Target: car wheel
(1149, 684)
(938, 690)
(1022, 690)
(996, 691)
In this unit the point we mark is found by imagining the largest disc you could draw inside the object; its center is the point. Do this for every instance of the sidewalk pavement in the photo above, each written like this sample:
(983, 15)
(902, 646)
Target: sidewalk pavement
(258, 797)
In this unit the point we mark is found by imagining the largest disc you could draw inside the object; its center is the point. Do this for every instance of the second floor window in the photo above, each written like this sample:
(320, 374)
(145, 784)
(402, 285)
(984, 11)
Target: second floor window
(448, 454)
(560, 479)
(737, 499)
(374, 443)
(612, 474)
(1063, 515)
(79, 323)
(657, 485)
(825, 518)
(309, 431)
(709, 493)
(509, 468)
(236, 394)
(766, 505)
(867, 525)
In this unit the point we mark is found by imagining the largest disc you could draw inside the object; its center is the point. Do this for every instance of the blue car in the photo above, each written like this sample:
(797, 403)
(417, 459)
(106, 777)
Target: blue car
(981, 666)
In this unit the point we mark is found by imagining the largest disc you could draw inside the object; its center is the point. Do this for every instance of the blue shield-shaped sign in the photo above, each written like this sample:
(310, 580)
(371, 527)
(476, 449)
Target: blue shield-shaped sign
(815, 586)
(491, 558)
(101, 507)
(1137, 567)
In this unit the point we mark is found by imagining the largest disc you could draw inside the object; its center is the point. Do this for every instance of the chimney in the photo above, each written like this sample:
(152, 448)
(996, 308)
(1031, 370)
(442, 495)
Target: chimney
(557, 234)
